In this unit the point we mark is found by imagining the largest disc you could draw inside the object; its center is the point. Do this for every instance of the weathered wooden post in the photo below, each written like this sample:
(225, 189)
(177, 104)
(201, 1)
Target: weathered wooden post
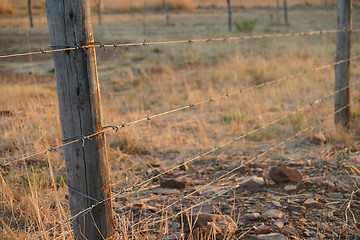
(277, 12)
(286, 13)
(30, 13)
(342, 70)
(80, 115)
(144, 18)
(166, 7)
(229, 15)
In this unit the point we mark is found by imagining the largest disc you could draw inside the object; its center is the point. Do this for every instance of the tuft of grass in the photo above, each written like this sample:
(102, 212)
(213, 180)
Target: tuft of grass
(130, 6)
(6, 7)
(246, 25)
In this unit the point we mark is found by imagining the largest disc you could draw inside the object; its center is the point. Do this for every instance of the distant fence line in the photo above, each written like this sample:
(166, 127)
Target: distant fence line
(61, 48)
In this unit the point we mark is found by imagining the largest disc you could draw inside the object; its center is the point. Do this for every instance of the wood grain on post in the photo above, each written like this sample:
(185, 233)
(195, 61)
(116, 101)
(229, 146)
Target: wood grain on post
(342, 70)
(80, 115)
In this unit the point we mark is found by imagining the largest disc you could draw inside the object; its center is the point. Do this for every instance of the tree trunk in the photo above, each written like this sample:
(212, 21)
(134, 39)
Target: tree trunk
(229, 15)
(167, 13)
(80, 115)
(343, 70)
(30, 13)
(277, 12)
(286, 13)
(144, 18)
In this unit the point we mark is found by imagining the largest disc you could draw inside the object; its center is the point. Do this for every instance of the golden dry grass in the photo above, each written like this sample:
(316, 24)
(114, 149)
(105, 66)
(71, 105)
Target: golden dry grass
(6, 7)
(32, 191)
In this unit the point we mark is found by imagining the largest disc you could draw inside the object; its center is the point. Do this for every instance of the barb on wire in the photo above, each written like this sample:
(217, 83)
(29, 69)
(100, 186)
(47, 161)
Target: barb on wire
(147, 118)
(145, 43)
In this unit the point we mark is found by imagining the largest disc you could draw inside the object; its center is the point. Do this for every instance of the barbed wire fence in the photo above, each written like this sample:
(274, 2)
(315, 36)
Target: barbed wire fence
(116, 127)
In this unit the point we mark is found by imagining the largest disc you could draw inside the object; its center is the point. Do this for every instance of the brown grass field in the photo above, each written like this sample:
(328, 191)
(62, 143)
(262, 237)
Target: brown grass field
(141, 81)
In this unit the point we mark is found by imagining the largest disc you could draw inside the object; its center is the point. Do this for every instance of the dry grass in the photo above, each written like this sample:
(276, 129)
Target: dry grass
(32, 192)
(6, 7)
(130, 6)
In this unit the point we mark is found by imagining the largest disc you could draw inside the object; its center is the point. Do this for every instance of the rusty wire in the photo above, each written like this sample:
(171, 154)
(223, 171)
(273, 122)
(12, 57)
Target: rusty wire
(62, 47)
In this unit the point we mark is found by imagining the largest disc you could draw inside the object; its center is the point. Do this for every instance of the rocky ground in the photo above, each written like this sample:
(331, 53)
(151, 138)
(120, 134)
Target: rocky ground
(308, 192)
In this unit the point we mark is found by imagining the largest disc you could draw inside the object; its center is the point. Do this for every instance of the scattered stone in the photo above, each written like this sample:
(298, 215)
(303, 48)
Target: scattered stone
(305, 184)
(271, 236)
(205, 208)
(207, 225)
(318, 139)
(278, 224)
(310, 202)
(289, 230)
(252, 182)
(174, 183)
(263, 230)
(290, 188)
(177, 236)
(165, 191)
(283, 173)
(296, 208)
(272, 214)
(252, 216)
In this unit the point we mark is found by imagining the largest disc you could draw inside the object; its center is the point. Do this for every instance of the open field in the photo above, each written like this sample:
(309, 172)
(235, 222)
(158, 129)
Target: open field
(141, 81)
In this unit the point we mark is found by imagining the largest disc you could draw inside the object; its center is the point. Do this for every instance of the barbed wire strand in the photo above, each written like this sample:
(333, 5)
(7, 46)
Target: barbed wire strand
(117, 127)
(85, 211)
(144, 43)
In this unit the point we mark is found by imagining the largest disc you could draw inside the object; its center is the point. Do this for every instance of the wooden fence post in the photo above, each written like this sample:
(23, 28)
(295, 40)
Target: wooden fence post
(166, 7)
(286, 13)
(342, 70)
(30, 13)
(229, 15)
(80, 115)
(277, 12)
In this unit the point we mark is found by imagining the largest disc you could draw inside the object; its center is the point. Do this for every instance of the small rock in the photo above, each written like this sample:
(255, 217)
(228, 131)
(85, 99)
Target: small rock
(289, 230)
(205, 208)
(263, 230)
(271, 236)
(252, 216)
(318, 139)
(252, 182)
(208, 226)
(165, 191)
(272, 214)
(278, 224)
(177, 236)
(296, 208)
(310, 202)
(290, 188)
(283, 173)
(174, 183)
(305, 184)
